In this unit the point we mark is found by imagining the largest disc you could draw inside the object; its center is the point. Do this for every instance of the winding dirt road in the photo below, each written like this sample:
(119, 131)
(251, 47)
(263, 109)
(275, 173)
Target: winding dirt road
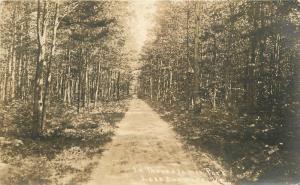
(145, 151)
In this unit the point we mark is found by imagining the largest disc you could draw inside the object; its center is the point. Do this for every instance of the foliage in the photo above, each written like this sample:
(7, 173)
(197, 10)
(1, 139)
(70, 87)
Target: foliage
(66, 149)
(69, 52)
(229, 71)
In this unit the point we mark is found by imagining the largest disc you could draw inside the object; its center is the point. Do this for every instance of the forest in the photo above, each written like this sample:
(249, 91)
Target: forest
(224, 75)
(227, 76)
(60, 61)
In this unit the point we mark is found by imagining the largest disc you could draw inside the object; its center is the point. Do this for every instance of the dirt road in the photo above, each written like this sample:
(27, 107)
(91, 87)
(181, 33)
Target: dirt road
(145, 151)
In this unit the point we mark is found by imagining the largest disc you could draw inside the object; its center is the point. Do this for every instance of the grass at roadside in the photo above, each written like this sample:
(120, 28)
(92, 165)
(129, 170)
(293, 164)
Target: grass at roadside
(68, 149)
(227, 148)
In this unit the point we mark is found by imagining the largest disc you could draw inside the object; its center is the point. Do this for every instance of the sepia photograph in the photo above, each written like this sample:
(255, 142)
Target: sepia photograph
(149, 92)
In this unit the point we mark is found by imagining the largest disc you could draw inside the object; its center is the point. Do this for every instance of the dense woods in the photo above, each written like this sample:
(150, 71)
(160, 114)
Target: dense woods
(227, 75)
(64, 78)
(71, 52)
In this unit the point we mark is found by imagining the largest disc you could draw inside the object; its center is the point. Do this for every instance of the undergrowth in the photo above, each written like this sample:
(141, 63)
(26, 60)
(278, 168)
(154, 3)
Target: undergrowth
(67, 149)
(250, 148)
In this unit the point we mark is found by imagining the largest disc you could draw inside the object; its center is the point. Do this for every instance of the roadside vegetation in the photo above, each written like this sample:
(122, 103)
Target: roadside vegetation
(226, 75)
(64, 86)
(68, 149)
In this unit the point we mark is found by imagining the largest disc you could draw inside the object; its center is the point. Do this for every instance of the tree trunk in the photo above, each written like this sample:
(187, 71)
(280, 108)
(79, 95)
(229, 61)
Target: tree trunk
(196, 89)
(118, 86)
(40, 63)
(48, 73)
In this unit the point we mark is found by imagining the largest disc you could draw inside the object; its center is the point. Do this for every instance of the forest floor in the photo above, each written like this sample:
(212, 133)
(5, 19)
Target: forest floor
(68, 150)
(117, 143)
(239, 156)
(145, 151)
